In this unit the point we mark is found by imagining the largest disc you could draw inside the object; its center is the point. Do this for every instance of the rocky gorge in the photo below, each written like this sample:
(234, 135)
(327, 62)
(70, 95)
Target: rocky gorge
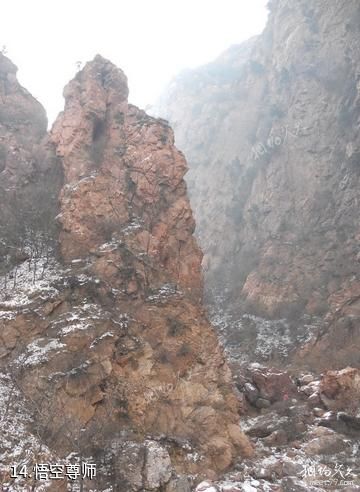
(271, 133)
(116, 357)
(105, 345)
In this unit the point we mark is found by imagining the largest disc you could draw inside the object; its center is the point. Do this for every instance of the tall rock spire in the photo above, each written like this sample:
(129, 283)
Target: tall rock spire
(122, 169)
(127, 352)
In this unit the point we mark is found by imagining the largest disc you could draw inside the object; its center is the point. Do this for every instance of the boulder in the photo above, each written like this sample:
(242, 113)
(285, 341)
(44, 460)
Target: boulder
(277, 438)
(130, 459)
(306, 379)
(158, 469)
(178, 484)
(272, 384)
(318, 412)
(327, 444)
(262, 403)
(340, 390)
(251, 392)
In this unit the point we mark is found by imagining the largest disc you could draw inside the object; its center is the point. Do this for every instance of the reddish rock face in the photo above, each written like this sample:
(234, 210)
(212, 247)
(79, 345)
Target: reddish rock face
(273, 385)
(340, 390)
(340, 337)
(115, 334)
(123, 174)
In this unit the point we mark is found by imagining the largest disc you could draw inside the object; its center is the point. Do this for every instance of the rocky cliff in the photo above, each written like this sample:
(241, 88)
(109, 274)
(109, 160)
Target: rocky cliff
(271, 133)
(106, 351)
(30, 180)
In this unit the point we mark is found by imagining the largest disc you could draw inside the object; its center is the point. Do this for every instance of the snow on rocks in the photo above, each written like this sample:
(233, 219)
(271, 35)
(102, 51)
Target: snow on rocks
(134, 226)
(231, 487)
(23, 284)
(18, 445)
(108, 334)
(7, 315)
(250, 337)
(39, 351)
(81, 318)
(163, 293)
(158, 467)
(206, 487)
(295, 435)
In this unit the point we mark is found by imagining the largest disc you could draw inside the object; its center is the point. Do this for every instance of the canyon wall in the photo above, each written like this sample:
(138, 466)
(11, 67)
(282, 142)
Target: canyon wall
(271, 133)
(30, 177)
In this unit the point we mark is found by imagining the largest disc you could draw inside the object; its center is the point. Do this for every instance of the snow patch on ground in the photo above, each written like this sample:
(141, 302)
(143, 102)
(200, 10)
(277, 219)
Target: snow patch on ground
(248, 337)
(21, 286)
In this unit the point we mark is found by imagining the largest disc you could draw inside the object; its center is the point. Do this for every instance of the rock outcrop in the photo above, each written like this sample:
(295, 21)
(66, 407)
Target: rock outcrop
(271, 133)
(23, 124)
(123, 175)
(30, 178)
(107, 341)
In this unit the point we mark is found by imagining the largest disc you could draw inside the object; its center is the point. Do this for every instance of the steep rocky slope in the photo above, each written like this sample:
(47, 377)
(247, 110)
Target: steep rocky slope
(106, 351)
(271, 133)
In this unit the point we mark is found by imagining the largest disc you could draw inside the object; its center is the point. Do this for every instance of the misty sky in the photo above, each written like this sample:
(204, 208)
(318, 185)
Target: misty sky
(151, 40)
